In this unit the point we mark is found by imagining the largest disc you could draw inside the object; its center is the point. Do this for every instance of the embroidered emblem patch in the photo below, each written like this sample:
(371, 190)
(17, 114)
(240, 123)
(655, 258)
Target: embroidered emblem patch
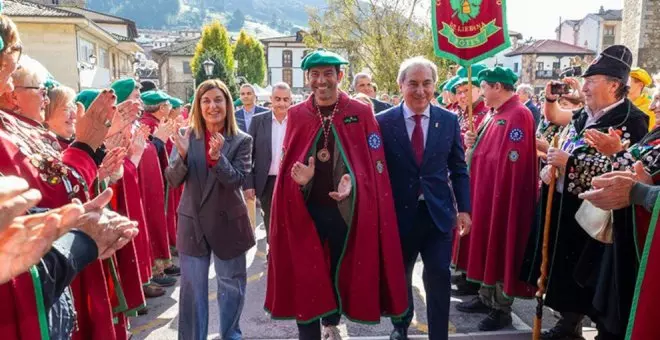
(380, 167)
(374, 141)
(351, 119)
(516, 135)
(501, 121)
(513, 155)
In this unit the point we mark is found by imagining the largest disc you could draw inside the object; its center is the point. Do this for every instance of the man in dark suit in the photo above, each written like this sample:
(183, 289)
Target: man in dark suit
(267, 131)
(526, 92)
(246, 113)
(244, 119)
(424, 151)
(362, 83)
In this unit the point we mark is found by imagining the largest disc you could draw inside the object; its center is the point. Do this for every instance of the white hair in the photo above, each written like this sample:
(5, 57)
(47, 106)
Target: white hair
(282, 86)
(527, 89)
(360, 76)
(30, 73)
(413, 62)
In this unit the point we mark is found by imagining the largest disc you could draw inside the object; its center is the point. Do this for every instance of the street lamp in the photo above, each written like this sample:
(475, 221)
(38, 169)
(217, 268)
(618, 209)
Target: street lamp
(92, 59)
(208, 67)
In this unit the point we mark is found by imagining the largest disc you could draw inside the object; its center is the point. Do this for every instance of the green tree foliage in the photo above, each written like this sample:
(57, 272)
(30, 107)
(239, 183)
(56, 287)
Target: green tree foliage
(249, 54)
(214, 38)
(219, 72)
(374, 34)
(237, 20)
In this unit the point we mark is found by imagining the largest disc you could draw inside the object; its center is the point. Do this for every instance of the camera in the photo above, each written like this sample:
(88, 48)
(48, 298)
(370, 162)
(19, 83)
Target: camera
(559, 89)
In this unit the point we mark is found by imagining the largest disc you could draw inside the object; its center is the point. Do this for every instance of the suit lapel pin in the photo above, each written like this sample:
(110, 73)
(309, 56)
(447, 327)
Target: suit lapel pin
(436, 125)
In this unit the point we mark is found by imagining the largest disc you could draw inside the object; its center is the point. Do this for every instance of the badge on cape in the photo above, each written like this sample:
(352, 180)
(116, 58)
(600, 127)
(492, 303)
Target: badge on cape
(501, 121)
(516, 135)
(374, 141)
(513, 155)
(380, 167)
(351, 119)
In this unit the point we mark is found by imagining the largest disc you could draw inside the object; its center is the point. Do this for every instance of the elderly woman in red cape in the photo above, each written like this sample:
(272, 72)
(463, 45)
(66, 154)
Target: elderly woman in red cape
(334, 243)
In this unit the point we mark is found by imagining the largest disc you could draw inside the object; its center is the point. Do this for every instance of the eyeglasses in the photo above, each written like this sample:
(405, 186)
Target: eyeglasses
(43, 90)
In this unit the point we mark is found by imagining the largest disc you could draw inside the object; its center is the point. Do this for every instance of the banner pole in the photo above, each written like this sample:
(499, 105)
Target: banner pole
(469, 77)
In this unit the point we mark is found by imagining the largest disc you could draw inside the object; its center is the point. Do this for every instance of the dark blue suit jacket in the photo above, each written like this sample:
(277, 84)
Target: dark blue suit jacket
(535, 113)
(444, 161)
(240, 117)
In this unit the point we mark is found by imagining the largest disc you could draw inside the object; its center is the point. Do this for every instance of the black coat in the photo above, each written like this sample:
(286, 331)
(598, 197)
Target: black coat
(380, 106)
(575, 258)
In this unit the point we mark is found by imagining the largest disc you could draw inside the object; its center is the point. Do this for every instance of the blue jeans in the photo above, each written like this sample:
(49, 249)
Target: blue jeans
(231, 276)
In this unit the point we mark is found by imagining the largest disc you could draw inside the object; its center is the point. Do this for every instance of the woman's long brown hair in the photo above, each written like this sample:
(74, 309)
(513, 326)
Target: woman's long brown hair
(197, 119)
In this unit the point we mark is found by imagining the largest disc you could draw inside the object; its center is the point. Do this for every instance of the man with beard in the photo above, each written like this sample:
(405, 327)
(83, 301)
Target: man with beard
(333, 251)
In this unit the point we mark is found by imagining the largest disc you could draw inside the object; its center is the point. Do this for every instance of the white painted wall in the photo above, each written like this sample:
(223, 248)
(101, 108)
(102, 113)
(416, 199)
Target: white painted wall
(590, 32)
(568, 34)
(549, 60)
(275, 56)
(120, 29)
(97, 77)
(298, 77)
(275, 76)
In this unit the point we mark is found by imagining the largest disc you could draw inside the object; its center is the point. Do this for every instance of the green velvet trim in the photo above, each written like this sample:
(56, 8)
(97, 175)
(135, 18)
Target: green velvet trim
(41, 308)
(119, 291)
(642, 268)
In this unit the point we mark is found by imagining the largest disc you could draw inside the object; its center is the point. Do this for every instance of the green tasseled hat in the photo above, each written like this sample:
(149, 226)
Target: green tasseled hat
(86, 97)
(123, 88)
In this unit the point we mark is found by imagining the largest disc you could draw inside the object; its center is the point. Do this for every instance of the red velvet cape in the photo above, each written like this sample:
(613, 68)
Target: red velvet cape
(371, 280)
(503, 172)
(23, 315)
(153, 199)
(644, 314)
(29, 151)
(129, 203)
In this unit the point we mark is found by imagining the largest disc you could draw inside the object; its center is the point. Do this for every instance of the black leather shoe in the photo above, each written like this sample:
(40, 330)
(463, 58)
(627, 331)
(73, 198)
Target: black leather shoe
(558, 333)
(495, 320)
(466, 289)
(399, 334)
(473, 306)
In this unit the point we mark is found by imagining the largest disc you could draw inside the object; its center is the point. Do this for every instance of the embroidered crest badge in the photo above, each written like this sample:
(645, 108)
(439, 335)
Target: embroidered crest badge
(516, 135)
(380, 167)
(513, 155)
(374, 141)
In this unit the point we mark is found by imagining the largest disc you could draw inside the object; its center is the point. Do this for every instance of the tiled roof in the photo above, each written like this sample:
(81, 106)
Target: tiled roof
(550, 47)
(611, 14)
(120, 37)
(16, 8)
(184, 48)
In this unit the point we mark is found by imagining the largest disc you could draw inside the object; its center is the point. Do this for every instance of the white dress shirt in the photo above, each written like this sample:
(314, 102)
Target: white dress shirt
(248, 115)
(410, 121)
(592, 118)
(408, 114)
(276, 140)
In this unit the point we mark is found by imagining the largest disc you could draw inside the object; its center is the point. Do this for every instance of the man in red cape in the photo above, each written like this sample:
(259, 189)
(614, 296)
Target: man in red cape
(503, 191)
(334, 244)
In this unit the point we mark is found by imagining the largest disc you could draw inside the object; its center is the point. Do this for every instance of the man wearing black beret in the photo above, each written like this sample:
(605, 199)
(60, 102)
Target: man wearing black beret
(587, 277)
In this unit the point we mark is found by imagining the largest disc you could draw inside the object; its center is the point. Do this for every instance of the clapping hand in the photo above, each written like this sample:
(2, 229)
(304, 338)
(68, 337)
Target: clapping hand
(607, 144)
(215, 146)
(112, 162)
(302, 173)
(92, 125)
(127, 113)
(165, 130)
(343, 189)
(182, 142)
(24, 240)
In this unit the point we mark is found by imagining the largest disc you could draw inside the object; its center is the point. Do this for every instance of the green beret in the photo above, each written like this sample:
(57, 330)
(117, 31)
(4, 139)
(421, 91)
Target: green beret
(123, 88)
(86, 97)
(441, 87)
(462, 73)
(154, 97)
(176, 102)
(498, 74)
(51, 83)
(321, 57)
(450, 86)
(238, 102)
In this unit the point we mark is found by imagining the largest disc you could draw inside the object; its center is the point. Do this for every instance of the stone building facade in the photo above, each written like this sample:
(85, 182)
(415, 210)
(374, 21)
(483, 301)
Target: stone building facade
(641, 32)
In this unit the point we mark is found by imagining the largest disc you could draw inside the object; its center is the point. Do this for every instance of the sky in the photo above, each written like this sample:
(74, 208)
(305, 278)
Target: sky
(539, 18)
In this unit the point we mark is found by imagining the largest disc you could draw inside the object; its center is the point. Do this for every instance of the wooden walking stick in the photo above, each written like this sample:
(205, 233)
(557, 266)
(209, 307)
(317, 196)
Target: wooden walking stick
(536, 335)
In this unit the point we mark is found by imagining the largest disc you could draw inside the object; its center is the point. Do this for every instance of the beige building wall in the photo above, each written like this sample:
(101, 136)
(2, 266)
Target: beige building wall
(54, 45)
(175, 81)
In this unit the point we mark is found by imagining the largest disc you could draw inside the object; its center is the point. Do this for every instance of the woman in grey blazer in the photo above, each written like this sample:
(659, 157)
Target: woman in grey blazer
(212, 159)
